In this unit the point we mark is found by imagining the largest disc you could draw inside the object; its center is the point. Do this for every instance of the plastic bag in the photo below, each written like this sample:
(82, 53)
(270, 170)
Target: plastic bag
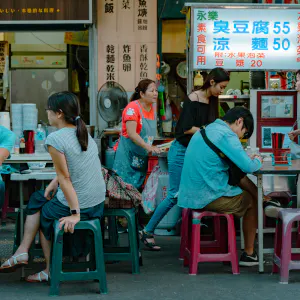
(295, 150)
(149, 192)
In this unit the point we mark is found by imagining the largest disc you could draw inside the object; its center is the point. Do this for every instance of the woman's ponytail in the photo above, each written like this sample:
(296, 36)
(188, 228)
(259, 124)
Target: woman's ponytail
(82, 133)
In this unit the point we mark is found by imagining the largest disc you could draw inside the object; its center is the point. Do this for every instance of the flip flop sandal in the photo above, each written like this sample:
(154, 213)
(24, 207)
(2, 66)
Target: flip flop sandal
(144, 236)
(17, 264)
(39, 278)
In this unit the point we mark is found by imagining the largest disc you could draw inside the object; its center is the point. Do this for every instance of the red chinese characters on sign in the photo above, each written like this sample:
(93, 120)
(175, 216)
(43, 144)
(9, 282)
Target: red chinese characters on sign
(240, 63)
(219, 62)
(298, 39)
(201, 44)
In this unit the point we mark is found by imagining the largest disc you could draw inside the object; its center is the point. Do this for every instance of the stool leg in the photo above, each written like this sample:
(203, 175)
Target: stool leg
(277, 244)
(298, 236)
(195, 247)
(184, 232)
(134, 249)
(232, 245)
(286, 252)
(100, 264)
(56, 263)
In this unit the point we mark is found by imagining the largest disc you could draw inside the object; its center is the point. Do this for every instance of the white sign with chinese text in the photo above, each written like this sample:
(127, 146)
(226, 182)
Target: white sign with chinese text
(246, 39)
(127, 41)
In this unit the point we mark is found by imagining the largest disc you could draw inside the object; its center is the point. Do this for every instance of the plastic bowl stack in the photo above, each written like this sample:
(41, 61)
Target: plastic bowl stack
(29, 116)
(17, 119)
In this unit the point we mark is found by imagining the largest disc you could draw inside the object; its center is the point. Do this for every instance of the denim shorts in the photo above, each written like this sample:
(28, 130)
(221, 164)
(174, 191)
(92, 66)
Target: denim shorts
(53, 209)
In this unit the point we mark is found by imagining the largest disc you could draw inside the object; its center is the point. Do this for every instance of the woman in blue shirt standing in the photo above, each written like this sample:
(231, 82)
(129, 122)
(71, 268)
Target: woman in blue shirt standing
(200, 108)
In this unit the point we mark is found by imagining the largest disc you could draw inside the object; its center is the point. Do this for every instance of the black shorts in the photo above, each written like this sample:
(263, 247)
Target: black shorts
(53, 209)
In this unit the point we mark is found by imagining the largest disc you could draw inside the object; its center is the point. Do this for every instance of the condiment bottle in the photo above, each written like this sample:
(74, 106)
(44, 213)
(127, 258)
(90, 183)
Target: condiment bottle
(22, 146)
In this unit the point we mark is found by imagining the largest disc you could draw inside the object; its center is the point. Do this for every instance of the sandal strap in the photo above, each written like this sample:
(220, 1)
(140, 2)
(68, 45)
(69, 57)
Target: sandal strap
(14, 257)
(146, 235)
(45, 274)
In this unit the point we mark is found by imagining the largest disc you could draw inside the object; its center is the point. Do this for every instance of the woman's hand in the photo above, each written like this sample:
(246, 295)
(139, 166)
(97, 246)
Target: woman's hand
(51, 190)
(293, 134)
(69, 223)
(154, 149)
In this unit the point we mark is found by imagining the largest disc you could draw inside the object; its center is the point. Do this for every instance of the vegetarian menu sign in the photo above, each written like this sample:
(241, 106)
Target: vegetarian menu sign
(45, 11)
(243, 39)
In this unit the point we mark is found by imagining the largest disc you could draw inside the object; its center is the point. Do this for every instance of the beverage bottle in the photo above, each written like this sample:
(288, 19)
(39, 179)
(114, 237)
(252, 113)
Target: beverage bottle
(40, 138)
(22, 146)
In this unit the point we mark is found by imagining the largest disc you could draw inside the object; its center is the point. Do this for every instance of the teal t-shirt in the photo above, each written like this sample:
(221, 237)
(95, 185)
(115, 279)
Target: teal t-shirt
(7, 141)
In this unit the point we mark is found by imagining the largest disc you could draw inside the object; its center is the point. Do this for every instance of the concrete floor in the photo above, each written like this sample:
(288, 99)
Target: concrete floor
(162, 277)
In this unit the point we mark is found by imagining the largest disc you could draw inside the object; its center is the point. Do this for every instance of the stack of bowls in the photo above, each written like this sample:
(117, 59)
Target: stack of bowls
(17, 119)
(29, 116)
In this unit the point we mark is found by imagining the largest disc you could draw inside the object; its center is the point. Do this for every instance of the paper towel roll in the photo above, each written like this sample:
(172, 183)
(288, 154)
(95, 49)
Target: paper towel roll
(5, 119)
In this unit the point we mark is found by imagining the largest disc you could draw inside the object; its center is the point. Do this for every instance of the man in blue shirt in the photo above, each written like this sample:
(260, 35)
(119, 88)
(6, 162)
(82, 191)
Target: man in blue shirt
(7, 141)
(204, 179)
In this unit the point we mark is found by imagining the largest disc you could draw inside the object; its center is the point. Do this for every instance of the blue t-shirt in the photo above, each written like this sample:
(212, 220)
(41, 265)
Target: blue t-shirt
(204, 175)
(7, 141)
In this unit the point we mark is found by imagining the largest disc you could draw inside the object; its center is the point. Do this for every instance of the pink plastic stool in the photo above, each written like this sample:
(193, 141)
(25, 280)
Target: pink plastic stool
(283, 257)
(215, 243)
(193, 253)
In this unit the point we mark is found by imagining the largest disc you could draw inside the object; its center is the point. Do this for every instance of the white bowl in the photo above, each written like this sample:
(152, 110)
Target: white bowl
(36, 165)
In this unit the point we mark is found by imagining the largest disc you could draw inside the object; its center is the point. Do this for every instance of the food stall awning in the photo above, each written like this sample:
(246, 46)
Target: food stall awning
(32, 15)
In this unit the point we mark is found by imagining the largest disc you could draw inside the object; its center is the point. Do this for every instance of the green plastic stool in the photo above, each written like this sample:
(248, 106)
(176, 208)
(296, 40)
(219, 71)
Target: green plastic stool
(130, 253)
(56, 273)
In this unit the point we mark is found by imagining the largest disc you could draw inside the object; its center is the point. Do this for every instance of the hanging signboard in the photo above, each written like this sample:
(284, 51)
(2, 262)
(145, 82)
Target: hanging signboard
(45, 12)
(246, 38)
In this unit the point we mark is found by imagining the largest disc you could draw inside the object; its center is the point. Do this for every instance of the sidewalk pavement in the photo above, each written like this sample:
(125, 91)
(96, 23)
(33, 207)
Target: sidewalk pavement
(162, 277)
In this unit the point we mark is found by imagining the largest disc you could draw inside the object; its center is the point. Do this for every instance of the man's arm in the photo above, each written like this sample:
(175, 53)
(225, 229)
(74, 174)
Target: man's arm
(7, 141)
(231, 146)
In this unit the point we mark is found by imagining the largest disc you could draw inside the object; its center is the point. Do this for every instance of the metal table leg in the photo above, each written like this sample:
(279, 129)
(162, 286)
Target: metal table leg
(298, 191)
(21, 221)
(260, 224)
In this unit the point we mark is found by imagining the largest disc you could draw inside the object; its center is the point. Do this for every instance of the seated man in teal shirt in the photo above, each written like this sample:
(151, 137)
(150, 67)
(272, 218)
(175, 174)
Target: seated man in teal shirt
(7, 141)
(204, 178)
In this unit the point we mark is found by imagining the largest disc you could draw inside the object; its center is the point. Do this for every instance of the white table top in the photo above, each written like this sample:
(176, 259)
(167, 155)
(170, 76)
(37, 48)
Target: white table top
(37, 175)
(23, 158)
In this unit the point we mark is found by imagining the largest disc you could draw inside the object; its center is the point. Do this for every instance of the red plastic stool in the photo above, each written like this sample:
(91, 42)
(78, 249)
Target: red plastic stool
(193, 253)
(214, 243)
(283, 257)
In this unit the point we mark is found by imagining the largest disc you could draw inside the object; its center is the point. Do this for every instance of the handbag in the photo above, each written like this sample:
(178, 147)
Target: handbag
(235, 174)
(121, 193)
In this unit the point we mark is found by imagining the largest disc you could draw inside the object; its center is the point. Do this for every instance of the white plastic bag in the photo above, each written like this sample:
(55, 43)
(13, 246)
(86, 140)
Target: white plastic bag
(149, 192)
(295, 150)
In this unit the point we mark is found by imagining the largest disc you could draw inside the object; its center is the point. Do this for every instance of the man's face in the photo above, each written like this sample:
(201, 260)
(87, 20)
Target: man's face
(298, 83)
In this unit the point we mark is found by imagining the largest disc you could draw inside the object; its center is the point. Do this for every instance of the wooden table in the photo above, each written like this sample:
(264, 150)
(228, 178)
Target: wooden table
(268, 169)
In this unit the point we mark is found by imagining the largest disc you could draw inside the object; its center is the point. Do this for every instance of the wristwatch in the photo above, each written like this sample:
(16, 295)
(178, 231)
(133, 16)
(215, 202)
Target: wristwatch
(75, 211)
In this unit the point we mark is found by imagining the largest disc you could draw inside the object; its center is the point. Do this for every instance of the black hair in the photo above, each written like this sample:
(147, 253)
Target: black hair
(217, 75)
(141, 87)
(68, 104)
(298, 72)
(241, 112)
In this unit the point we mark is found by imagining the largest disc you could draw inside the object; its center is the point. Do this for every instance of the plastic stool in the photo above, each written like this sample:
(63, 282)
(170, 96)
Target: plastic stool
(215, 243)
(56, 273)
(123, 253)
(283, 257)
(193, 253)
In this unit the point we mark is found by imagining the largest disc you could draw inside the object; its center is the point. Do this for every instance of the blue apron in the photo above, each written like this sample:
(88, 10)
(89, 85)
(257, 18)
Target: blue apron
(131, 161)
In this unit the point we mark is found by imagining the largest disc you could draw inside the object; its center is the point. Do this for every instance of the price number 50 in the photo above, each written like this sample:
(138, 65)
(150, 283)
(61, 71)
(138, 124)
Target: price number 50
(278, 42)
